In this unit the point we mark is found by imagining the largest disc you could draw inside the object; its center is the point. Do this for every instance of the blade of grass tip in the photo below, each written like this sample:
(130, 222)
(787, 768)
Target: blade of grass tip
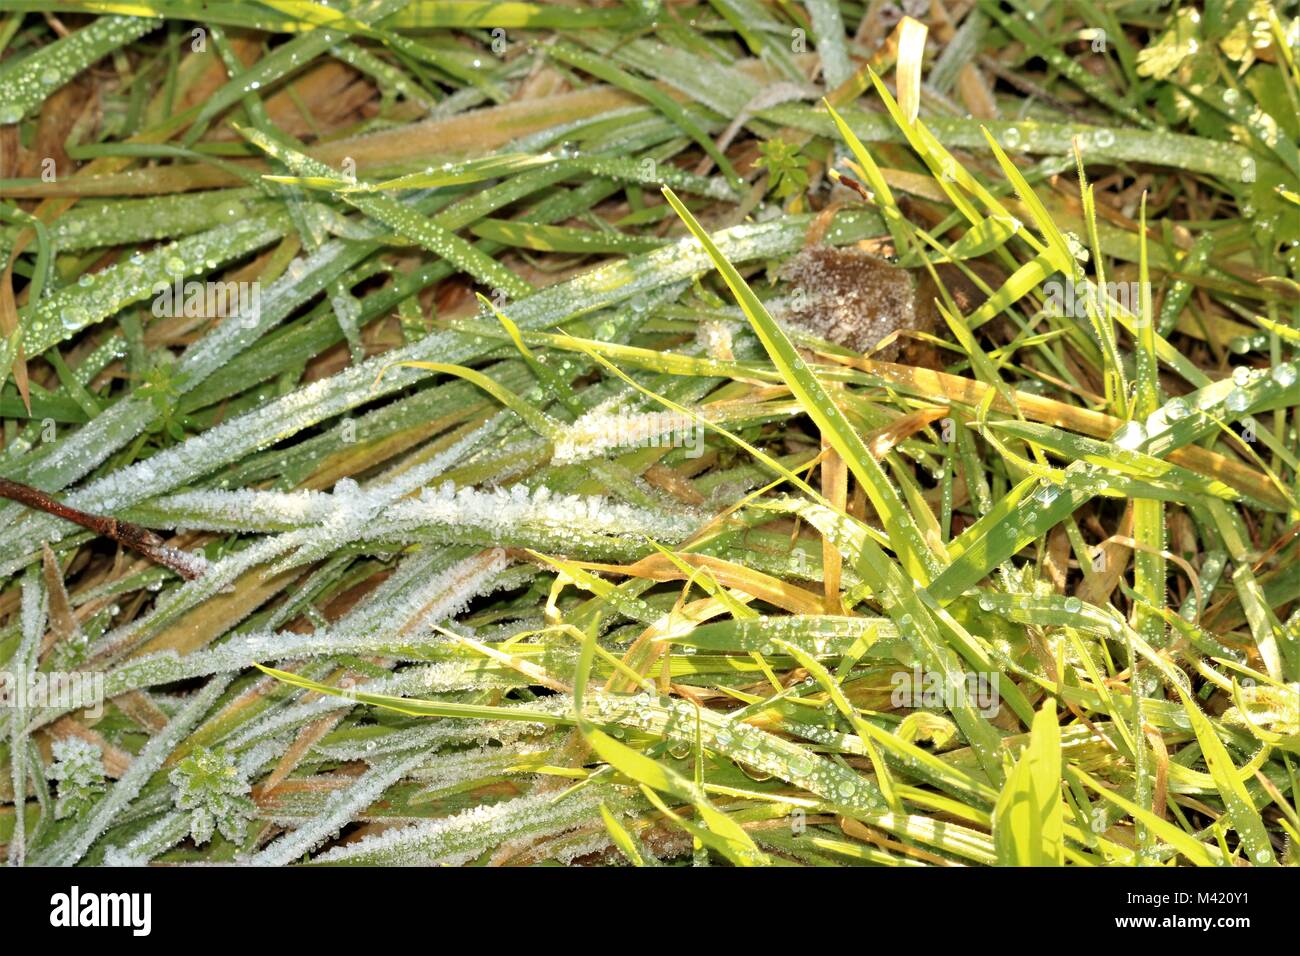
(543, 373)
(911, 50)
(1029, 817)
(622, 839)
(1103, 324)
(882, 194)
(904, 535)
(828, 28)
(948, 173)
(1058, 250)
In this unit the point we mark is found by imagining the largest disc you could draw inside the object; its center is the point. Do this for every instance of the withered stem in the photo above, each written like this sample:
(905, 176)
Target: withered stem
(129, 535)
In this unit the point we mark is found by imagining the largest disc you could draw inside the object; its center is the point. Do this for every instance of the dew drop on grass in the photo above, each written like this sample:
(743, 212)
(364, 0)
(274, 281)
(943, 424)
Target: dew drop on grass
(801, 763)
(1130, 436)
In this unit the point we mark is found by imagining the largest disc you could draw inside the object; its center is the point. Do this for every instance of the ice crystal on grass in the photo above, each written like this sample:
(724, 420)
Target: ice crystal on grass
(341, 807)
(460, 838)
(602, 430)
(717, 338)
(209, 785)
(502, 516)
(167, 831)
(396, 619)
(79, 769)
(410, 602)
(501, 511)
(219, 510)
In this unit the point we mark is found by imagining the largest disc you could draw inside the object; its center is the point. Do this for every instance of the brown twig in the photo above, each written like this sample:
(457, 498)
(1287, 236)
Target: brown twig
(129, 535)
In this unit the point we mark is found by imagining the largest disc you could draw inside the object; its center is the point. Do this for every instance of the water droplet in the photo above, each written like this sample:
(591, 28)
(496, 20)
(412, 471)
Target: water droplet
(1284, 374)
(1131, 436)
(801, 764)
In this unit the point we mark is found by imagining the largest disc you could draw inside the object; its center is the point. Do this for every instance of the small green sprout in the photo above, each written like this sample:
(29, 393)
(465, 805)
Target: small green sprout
(786, 166)
(210, 786)
(79, 770)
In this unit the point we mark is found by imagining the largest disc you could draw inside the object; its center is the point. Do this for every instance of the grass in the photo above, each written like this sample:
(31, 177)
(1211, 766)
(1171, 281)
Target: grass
(521, 521)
